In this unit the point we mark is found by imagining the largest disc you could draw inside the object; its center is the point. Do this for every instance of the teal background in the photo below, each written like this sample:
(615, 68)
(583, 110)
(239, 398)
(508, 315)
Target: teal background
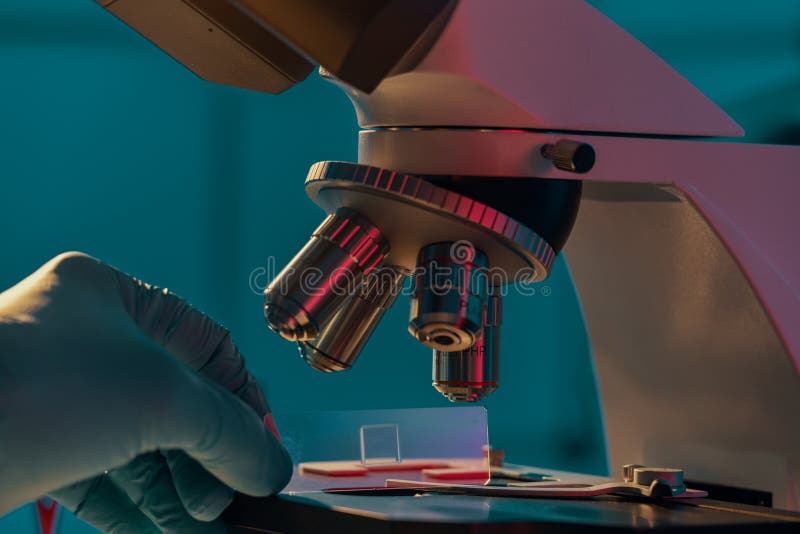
(109, 147)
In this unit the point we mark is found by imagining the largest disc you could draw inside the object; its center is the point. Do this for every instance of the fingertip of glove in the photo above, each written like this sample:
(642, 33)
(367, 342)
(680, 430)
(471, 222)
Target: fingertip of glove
(211, 505)
(285, 468)
(203, 496)
(280, 470)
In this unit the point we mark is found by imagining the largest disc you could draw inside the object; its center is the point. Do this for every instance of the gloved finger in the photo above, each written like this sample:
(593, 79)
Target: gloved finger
(147, 482)
(203, 496)
(225, 435)
(99, 502)
(192, 337)
(207, 347)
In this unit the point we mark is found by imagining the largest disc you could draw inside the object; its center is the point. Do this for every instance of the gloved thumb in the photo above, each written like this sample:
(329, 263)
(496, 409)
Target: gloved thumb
(221, 432)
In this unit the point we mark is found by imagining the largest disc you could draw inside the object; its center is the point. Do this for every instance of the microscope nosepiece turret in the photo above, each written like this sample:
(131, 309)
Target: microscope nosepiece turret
(460, 238)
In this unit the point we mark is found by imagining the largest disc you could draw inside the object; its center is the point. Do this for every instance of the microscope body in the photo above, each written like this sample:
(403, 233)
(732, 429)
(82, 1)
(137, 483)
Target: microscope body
(473, 153)
(683, 250)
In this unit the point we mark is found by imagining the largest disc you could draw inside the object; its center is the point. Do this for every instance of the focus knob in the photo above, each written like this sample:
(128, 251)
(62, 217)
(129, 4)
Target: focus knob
(570, 156)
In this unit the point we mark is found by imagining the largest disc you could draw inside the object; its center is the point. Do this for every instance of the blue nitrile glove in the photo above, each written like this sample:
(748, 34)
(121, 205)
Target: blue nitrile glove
(128, 406)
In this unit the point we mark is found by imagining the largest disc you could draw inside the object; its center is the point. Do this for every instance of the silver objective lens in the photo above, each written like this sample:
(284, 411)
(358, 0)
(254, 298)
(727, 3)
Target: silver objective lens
(470, 375)
(328, 270)
(340, 342)
(449, 296)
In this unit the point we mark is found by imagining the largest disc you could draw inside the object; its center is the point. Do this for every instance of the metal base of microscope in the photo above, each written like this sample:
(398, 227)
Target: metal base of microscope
(405, 512)
(301, 509)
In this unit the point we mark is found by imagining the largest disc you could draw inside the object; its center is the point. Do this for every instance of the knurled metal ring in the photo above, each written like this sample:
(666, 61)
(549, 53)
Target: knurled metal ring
(345, 178)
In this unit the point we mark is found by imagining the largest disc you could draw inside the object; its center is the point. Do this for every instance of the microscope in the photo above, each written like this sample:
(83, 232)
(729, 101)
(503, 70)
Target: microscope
(497, 135)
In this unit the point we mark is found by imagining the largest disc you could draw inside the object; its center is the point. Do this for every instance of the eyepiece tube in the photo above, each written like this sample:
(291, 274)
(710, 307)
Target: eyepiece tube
(340, 342)
(449, 296)
(471, 375)
(328, 270)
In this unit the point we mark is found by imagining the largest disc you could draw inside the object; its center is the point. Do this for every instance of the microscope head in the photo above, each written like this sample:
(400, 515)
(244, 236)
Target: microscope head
(448, 93)
(452, 143)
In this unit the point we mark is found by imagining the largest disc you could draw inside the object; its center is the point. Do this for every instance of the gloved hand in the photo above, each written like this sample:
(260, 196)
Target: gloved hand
(134, 410)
